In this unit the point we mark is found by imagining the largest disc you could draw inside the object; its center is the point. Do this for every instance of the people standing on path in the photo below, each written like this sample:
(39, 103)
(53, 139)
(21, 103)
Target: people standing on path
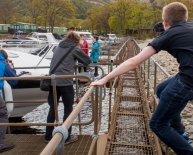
(95, 53)
(64, 87)
(175, 92)
(6, 70)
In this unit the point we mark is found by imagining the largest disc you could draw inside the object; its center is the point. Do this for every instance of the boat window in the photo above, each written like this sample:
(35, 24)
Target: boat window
(53, 49)
(12, 55)
(44, 50)
(43, 37)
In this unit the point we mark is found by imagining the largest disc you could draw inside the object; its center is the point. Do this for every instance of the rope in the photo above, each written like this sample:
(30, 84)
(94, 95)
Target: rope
(64, 132)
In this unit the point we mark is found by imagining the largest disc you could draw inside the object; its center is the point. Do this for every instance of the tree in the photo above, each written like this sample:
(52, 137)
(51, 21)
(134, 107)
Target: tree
(7, 10)
(54, 10)
(119, 13)
(98, 18)
(34, 9)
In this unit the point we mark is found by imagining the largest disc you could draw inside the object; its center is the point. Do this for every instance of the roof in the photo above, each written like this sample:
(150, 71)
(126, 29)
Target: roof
(22, 23)
(5, 24)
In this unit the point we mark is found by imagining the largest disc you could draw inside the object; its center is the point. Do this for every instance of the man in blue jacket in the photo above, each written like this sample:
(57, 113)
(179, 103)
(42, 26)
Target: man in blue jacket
(6, 70)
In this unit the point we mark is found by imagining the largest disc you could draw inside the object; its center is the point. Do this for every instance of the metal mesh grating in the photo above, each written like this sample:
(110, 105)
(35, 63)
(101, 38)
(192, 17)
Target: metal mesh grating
(132, 107)
(125, 150)
(128, 91)
(130, 74)
(129, 133)
(131, 129)
(128, 82)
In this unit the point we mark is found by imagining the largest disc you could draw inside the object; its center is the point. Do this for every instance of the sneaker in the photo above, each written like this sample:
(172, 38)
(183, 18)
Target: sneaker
(6, 147)
(72, 139)
(185, 136)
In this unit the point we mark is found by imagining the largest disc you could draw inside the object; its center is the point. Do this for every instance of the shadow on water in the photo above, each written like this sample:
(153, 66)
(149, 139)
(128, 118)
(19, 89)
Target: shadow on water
(22, 129)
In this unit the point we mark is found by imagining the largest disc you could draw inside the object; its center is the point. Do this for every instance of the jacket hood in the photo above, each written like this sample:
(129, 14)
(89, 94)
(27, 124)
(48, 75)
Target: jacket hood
(2, 57)
(67, 43)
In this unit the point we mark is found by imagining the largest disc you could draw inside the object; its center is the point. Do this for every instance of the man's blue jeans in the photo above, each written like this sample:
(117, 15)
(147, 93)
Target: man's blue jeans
(174, 96)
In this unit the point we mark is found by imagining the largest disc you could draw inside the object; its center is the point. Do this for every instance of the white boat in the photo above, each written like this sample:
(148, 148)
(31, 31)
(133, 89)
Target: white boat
(21, 59)
(33, 41)
(25, 90)
(45, 37)
(46, 51)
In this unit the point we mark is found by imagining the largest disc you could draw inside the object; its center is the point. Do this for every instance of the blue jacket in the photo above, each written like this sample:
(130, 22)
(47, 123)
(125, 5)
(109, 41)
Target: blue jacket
(95, 53)
(6, 71)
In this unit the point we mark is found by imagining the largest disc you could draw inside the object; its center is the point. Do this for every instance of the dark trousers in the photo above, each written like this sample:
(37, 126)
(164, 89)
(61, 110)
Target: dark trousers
(95, 70)
(175, 121)
(3, 119)
(174, 96)
(80, 69)
(67, 94)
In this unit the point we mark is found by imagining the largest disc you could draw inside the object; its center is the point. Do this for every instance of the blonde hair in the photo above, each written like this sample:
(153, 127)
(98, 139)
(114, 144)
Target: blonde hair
(174, 13)
(73, 36)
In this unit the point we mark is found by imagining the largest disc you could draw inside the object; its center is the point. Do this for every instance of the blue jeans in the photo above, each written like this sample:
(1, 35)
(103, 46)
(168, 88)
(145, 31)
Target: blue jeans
(176, 121)
(174, 96)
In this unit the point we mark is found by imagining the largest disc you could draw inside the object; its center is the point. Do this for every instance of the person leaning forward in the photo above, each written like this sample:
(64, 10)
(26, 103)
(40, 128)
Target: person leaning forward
(175, 92)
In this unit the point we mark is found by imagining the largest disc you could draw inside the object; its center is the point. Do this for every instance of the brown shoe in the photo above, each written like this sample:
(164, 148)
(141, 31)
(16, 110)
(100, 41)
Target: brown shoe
(73, 138)
(6, 147)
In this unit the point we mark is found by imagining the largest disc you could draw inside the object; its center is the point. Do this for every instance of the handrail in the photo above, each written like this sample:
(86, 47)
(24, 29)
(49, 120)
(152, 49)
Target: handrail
(40, 101)
(69, 121)
(51, 146)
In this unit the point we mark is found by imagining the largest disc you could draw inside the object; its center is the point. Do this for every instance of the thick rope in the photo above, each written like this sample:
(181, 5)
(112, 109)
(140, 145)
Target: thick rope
(64, 132)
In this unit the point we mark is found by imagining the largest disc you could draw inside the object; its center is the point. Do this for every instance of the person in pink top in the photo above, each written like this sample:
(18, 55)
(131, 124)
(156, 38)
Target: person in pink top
(84, 47)
(84, 44)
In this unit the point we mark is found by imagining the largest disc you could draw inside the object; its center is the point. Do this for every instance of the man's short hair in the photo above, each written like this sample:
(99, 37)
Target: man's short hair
(175, 12)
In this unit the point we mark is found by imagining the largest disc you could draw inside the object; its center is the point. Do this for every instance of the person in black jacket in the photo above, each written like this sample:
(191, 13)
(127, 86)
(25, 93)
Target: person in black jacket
(64, 87)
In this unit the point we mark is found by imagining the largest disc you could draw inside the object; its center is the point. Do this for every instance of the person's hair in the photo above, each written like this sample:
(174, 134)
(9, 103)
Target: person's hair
(4, 53)
(71, 29)
(96, 37)
(174, 13)
(73, 36)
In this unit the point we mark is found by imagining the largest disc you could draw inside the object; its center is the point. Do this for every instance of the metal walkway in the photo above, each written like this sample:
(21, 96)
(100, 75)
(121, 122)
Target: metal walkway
(26, 144)
(129, 130)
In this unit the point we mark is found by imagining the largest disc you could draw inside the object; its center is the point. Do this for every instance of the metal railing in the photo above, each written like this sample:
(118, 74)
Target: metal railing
(150, 73)
(96, 103)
